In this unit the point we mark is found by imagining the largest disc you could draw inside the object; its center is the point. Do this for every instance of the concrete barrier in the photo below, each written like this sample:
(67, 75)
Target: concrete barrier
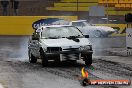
(22, 25)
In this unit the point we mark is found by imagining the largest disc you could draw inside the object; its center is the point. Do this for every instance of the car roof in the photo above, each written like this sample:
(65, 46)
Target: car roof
(79, 21)
(41, 28)
(56, 26)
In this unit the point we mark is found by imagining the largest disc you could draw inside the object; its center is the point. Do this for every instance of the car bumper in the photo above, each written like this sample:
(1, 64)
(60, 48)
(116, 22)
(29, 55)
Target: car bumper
(47, 54)
(108, 32)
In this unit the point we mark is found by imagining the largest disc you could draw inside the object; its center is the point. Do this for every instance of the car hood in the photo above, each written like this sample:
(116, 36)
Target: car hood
(105, 28)
(64, 42)
(101, 28)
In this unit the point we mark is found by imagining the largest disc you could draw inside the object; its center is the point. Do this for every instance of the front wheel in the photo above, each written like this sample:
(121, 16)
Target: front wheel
(57, 60)
(32, 59)
(44, 59)
(88, 59)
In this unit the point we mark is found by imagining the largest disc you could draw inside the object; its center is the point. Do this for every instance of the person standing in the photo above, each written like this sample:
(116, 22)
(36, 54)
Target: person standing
(15, 4)
(4, 4)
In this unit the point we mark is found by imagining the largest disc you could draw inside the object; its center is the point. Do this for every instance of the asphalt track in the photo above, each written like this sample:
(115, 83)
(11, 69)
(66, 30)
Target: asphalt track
(17, 72)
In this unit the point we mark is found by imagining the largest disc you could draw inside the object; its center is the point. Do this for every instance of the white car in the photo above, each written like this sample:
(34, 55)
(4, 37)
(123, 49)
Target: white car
(59, 43)
(91, 30)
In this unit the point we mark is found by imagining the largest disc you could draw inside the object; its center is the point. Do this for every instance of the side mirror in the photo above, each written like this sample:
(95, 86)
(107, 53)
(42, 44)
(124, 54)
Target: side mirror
(86, 36)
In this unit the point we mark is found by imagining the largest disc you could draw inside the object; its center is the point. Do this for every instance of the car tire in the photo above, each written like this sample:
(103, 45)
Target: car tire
(44, 59)
(88, 60)
(74, 61)
(57, 60)
(98, 33)
(32, 59)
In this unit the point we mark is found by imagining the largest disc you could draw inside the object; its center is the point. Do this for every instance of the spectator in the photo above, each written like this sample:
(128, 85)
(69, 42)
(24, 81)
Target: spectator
(15, 4)
(5, 4)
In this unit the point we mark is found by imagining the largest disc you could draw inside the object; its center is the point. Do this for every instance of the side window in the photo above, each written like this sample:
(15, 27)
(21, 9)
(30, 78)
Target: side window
(78, 24)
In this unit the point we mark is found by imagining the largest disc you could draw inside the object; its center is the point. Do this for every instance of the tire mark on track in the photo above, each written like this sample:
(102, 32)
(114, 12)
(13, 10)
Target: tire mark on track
(119, 69)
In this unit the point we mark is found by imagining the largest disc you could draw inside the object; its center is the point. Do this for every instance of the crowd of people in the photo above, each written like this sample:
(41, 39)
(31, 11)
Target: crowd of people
(14, 6)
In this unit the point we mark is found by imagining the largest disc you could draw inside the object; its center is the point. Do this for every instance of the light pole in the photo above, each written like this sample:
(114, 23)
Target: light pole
(107, 15)
(77, 5)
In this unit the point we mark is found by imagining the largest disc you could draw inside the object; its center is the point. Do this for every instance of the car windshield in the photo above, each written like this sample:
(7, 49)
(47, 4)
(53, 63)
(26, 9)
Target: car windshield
(61, 32)
(81, 24)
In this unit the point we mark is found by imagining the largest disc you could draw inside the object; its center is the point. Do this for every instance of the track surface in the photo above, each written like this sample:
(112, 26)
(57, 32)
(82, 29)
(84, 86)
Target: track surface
(17, 72)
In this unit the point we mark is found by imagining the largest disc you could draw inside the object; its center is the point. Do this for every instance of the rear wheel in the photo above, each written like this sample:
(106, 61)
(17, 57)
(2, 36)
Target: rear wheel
(88, 60)
(32, 59)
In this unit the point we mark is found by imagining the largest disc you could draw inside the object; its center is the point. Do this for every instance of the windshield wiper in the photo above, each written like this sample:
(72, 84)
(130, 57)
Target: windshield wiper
(50, 38)
(70, 37)
(73, 37)
(53, 37)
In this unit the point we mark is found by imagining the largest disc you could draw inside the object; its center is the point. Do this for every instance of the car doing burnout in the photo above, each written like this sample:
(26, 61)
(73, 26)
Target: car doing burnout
(59, 43)
(91, 30)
